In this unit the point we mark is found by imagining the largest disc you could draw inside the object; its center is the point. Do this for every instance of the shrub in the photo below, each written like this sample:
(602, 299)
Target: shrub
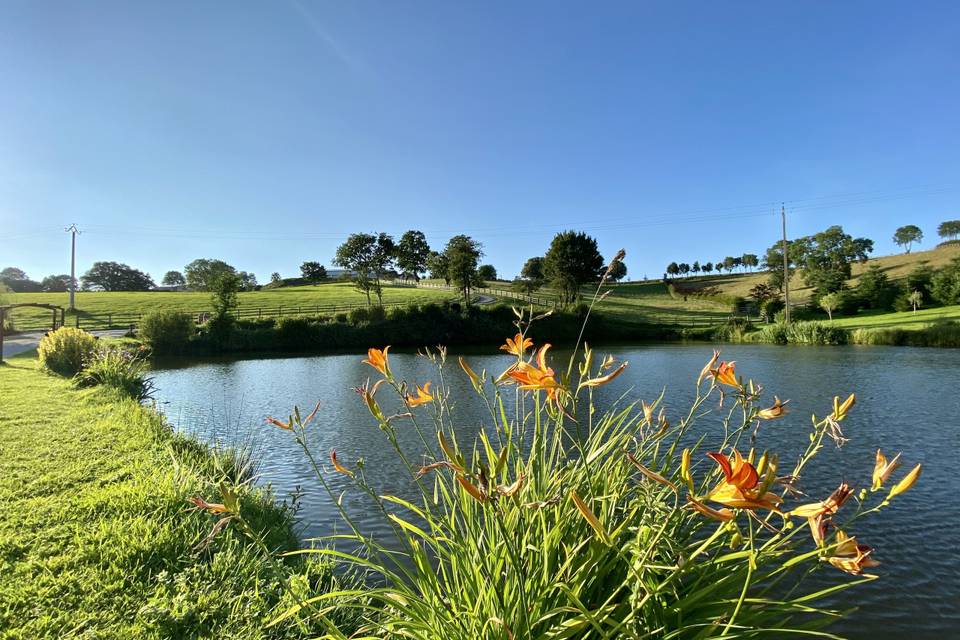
(118, 369)
(945, 285)
(538, 528)
(65, 350)
(340, 317)
(167, 331)
(358, 315)
(733, 330)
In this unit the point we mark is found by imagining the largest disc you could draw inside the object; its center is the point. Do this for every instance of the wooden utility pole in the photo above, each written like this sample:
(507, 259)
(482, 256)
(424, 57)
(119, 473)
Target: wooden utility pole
(786, 268)
(73, 231)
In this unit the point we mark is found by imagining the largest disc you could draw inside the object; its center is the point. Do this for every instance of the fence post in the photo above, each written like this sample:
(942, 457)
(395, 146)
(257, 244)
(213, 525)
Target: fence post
(109, 321)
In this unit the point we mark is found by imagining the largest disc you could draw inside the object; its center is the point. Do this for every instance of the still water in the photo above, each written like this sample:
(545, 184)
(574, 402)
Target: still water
(907, 400)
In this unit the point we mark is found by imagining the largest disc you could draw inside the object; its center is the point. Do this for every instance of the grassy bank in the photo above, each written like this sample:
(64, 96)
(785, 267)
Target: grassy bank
(96, 540)
(940, 334)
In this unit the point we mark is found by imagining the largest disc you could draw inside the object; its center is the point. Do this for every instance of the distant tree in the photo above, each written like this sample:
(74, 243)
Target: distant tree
(875, 291)
(203, 271)
(749, 260)
(463, 253)
(487, 272)
(358, 254)
(949, 229)
(826, 258)
(729, 263)
(916, 299)
(248, 281)
(439, 267)
(223, 293)
(618, 271)
(56, 283)
(313, 272)
(707, 267)
(532, 274)
(116, 276)
(773, 262)
(945, 285)
(905, 236)
(829, 302)
(173, 279)
(695, 267)
(673, 269)
(572, 261)
(275, 277)
(413, 252)
(921, 279)
(737, 262)
(13, 273)
(684, 268)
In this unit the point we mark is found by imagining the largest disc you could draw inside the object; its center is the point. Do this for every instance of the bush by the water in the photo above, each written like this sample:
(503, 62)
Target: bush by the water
(167, 331)
(65, 350)
(119, 369)
(414, 325)
(801, 333)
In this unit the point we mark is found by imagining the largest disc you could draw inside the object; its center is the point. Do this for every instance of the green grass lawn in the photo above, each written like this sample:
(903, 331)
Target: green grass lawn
(898, 320)
(287, 300)
(95, 537)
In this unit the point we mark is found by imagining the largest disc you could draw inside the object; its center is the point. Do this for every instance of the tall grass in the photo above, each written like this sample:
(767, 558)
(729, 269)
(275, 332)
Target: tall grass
(566, 519)
(941, 334)
(801, 333)
(119, 369)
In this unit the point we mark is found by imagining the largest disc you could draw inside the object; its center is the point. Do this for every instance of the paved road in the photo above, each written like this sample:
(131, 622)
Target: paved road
(12, 345)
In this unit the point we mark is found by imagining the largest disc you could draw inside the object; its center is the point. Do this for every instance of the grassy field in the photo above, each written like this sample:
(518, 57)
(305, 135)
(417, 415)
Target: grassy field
(95, 537)
(288, 300)
(897, 320)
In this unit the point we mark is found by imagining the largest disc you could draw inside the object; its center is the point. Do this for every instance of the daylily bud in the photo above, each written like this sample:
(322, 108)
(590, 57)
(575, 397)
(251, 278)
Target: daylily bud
(908, 481)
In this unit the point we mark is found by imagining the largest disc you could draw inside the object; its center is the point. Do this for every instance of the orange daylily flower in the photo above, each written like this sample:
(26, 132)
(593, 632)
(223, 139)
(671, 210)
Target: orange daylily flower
(707, 368)
(212, 507)
(778, 410)
(723, 515)
(726, 374)
(517, 345)
(825, 507)
(602, 380)
(850, 556)
(423, 396)
(539, 377)
(883, 468)
(378, 360)
(739, 488)
(907, 482)
(336, 464)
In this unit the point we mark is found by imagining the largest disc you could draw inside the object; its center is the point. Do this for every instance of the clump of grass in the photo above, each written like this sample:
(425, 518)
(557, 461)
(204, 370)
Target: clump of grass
(565, 519)
(942, 334)
(119, 369)
(65, 350)
(801, 333)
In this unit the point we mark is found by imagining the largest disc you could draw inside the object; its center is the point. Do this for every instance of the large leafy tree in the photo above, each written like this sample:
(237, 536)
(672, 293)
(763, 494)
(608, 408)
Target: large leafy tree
(13, 273)
(357, 254)
(413, 252)
(572, 261)
(248, 280)
(945, 285)
(116, 276)
(874, 290)
(313, 271)
(949, 229)
(773, 262)
(17, 281)
(439, 266)
(202, 272)
(56, 283)
(826, 258)
(750, 260)
(906, 235)
(487, 272)
(463, 253)
(531, 276)
(173, 279)
(673, 269)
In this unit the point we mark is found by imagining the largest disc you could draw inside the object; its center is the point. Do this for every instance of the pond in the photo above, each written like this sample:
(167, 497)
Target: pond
(907, 400)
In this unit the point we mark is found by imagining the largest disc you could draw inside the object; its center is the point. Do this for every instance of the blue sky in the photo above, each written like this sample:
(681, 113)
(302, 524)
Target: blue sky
(263, 133)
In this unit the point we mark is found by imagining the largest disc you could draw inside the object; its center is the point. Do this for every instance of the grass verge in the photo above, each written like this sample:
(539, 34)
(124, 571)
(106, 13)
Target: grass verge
(95, 537)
